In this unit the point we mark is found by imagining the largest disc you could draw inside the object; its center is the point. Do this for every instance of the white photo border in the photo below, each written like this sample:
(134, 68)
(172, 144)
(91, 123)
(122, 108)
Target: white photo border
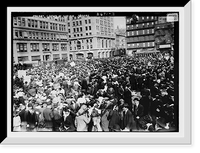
(175, 138)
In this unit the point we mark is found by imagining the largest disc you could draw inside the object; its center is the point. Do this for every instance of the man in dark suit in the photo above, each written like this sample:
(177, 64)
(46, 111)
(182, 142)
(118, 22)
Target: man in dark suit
(128, 119)
(138, 112)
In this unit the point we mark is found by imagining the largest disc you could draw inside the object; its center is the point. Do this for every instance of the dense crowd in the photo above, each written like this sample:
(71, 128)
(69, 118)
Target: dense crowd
(113, 94)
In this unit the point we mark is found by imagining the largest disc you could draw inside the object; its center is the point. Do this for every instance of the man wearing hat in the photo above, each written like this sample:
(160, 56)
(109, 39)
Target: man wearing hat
(31, 118)
(128, 119)
(138, 112)
(48, 116)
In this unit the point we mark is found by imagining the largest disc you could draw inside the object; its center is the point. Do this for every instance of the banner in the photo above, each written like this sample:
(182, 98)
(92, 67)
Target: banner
(72, 64)
(21, 73)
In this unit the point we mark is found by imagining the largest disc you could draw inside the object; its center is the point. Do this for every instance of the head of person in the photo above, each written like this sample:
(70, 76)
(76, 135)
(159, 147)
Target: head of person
(66, 111)
(125, 107)
(136, 101)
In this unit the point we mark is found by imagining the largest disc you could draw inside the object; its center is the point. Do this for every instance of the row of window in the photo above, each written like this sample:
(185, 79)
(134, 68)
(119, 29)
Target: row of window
(140, 32)
(139, 26)
(38, 24)
(39, 35)
(81, 47)
(82, 41)
(38, 57)
(141, 45)
(80, 35)
(103, 43)
(79, 23)
(142, 38)
(142, 19)
(34, 47)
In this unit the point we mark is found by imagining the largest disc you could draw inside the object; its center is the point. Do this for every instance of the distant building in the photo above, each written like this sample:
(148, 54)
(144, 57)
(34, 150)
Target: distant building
(140, 34)
(164, 35)
(90, 37)
(39, 38)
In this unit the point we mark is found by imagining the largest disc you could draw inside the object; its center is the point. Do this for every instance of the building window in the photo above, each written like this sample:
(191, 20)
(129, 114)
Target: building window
(127, 33)
(68, 24)
(74, 35)
(136, 32)
(16, 33)
(85, 21)
(89, 27)
(35, 58)
(86, 28)
(148, 31)
(89, 21)
(77, 30)
(74, 24)
(69, 30)
(33, 35)
(80, 22)
(23, 22)
(56, 56)
(147, 17)
(63, 47)
(148, 44)
(86, 34)
(64, 56)
(23, 58)
(29, 23)
(74, 29)
(32, 23)
(90, 33)
(21, 47)
(41, 24)
(77, 23)
(77, 35)
(45, 47)
(152, 30)
(19, 21)
(81, 29)
(20, 34)
(152, 17)
(15, 21)
(55, 47)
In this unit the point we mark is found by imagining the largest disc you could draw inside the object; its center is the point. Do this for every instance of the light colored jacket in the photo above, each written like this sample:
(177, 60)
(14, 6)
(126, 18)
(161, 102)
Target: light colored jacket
(81, 122)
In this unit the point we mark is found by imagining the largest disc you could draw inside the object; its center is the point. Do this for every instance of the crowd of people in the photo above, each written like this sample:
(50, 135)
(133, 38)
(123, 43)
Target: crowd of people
(107, 95)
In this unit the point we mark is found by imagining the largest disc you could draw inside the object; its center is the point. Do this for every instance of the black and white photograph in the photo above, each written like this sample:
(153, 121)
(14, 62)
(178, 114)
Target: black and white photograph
(95, 71)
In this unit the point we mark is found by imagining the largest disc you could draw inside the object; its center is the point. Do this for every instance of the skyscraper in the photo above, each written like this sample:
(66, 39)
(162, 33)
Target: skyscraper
(90, 37)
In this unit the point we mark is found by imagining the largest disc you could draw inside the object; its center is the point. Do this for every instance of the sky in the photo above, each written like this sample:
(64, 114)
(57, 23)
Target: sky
(119, 21)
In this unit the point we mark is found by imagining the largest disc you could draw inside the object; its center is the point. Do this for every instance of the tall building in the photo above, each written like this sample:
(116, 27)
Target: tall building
(39, 38)
(90, 37)
(120, 38)
(164, 35)
(140, 34)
